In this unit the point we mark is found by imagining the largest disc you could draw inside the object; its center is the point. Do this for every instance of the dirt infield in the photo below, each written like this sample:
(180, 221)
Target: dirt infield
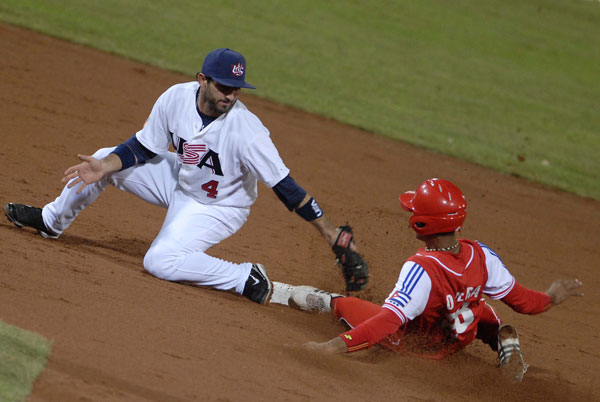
(120, 334)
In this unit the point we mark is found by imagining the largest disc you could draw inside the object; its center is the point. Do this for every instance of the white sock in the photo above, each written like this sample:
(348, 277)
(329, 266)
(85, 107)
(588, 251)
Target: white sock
(281, 293)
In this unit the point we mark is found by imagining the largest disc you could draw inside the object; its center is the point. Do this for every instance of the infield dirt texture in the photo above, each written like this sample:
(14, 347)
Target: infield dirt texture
(122, 335)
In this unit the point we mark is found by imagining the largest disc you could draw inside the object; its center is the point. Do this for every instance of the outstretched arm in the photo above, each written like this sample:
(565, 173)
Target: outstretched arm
(561, 289)
(91, 170)
(527, 301)
(295, 198)
(340, 239)
(327, 229)
(364, 335)
(128, 154)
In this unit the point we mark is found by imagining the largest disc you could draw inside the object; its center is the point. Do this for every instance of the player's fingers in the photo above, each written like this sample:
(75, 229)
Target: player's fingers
(69, 176)
(70, 170)
(74, 182)
(86, 158)
(71, 173)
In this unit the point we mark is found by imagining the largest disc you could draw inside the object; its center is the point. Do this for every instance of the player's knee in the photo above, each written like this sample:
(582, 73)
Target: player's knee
(158, 264)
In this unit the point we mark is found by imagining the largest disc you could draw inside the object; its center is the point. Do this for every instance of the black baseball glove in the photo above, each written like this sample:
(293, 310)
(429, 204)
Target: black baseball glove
(354, 267)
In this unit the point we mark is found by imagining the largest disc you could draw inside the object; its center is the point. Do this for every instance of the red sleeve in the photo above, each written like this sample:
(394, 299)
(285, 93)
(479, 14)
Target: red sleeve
(527, 301)
(372, 330)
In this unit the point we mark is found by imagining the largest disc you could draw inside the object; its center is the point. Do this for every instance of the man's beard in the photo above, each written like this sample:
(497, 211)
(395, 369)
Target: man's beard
(218, 107)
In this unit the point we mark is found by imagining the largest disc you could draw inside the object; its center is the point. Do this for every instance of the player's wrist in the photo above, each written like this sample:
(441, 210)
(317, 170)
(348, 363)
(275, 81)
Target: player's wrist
(310, 211)
(326, 228)
(112, 163)
(337, 345)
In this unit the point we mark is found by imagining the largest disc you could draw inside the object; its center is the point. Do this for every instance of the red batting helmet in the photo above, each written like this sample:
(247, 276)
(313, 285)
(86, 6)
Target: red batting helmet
(438, 206)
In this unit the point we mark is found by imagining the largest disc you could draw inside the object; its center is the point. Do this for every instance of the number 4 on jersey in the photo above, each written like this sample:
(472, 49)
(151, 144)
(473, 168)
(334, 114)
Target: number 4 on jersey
(211, 188)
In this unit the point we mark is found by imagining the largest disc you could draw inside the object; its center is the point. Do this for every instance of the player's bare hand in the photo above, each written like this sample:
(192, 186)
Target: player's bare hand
(89, 171)
(333, 346)
(561, 289)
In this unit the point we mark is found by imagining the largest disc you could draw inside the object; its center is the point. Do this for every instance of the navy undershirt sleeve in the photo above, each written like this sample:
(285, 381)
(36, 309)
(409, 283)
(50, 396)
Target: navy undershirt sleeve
(289, 192)
(132, 152)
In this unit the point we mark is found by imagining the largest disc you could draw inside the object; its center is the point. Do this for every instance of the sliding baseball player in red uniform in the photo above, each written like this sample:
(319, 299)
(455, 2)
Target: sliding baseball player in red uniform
(439, 293)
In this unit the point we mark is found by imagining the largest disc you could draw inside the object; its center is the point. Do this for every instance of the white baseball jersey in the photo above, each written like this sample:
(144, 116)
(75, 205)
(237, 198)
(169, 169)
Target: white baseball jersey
(219, 163)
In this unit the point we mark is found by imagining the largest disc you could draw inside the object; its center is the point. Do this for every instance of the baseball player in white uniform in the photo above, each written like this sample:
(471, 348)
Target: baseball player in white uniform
(207, 185)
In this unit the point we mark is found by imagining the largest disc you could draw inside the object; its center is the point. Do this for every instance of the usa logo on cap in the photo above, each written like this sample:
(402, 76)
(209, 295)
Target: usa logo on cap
(238, 69)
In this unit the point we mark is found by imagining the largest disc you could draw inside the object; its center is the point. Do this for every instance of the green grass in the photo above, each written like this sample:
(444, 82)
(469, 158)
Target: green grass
(22, 357)
(513, 85)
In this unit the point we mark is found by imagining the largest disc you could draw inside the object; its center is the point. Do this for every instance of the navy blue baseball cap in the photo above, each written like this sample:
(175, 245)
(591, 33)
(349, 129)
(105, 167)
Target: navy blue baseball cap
(226, 67)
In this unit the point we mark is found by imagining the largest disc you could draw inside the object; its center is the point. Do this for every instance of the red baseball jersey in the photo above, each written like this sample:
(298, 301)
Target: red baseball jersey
(440, 294)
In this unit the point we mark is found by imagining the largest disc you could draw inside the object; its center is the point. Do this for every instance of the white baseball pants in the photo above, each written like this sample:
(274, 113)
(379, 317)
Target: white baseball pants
(189, 228)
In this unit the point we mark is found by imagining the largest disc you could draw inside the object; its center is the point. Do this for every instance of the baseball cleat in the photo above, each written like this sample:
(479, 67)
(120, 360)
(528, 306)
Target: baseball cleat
(258, 287)
(509, 352)
(25, 215)
(312, 299)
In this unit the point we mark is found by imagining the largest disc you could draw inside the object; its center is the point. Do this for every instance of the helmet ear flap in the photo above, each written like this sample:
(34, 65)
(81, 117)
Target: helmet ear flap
(420, 224)
(434, 224)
